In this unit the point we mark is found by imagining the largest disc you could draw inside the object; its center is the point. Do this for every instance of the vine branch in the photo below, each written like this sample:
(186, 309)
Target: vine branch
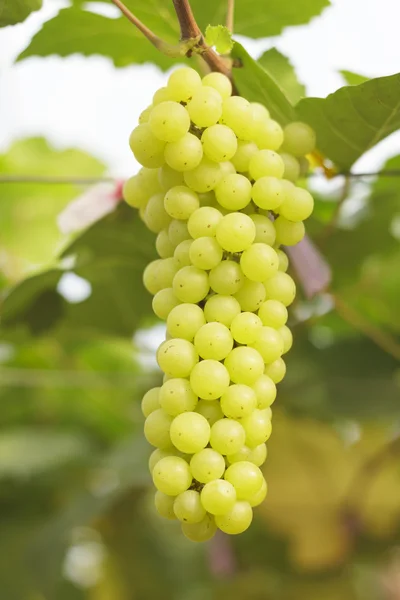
(230, 15)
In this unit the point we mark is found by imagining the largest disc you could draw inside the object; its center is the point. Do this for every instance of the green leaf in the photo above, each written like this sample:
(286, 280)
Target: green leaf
(15, 11)
(352, 78)
(353, 119)
(257, 85)
(279, 68)
(220, 37)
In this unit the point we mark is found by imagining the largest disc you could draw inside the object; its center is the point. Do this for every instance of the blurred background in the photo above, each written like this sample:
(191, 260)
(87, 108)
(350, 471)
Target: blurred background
(77, 334)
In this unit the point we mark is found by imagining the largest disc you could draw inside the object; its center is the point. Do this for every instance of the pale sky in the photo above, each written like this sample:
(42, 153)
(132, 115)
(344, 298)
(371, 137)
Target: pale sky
(88, 103)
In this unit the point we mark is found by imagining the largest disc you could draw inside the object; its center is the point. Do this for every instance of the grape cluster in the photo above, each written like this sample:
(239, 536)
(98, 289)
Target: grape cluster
(221, 199)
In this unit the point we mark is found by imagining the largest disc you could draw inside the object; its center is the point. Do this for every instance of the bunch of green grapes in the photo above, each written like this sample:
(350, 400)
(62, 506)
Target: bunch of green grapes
(218, 188)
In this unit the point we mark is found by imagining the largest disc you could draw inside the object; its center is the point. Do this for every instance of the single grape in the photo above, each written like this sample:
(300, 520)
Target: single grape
(190, 432)
(177, 357)
(226, 278)
(281, 287)
(163, 302)
(245, 365)
(200, 532)
(265, 390)
(227, 168)
(245, 477)
(260, 112)
(213, 340)
(256, 455)
(238, 115)
(185, 320)
(172, 476)
(145, 115)
(185, 154)
(292, 167)
(207, 465)
(222, 309)
(178, 232)
(283, 260)
(269, 344)
(182, 253)
(187, 507)
(183, 83)
(158, 274)
(218, 497)
(157, 427)
(287, 338)
(164, 505)
(160, 453)
(299, 138)
(155, 215)
(238, 401)
(257, 427)
(276, 371)
(190, 284)
(245, 327)
(227, 436)
(273, 313)
(133, 192)
(219, 82)
(176, 397)
(259, 262)
(209, 379)
(204, 221)
(251, 295)
(205, 253)
(210, 409)
(268, 193)
(245, 151)
(235, 232)
(297, 205)
(169, 121)
(147, 149)
(269, 135)
(219, 143)
(266, 163)
(237, 520)
(180, 202)
(148, 179)
(265, 230)
(259, 497)
(233, 192)
(205, 106)
(164, 247)
(150, 401)
(289, 233)
(169, 178)
(204, 177)
(161, 95)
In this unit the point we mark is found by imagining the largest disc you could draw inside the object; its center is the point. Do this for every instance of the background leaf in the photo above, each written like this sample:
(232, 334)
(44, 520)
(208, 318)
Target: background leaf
(15, 11)
(353, 78)
(279, 68)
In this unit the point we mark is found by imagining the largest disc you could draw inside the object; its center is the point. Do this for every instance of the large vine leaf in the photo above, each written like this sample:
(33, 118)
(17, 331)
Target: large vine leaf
(352, 78)
(354, 119)
(279, 68)
(15, 11)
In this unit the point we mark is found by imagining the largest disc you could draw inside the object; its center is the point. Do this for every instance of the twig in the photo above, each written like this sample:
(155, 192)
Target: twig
(230, 15)
(187, 22)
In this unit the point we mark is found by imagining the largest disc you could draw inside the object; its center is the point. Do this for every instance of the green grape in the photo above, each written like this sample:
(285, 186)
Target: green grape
(245, 365)
(219, 82)
(176, 397)
(177, 357)
(245, 477)
(180, 202)
(147, 149)
(213, 340)
(207, 465)
(145, 115)
(205, 253)
(238, 115)
(257, 427)
(259, 497)
(292, 167)
(188, 507)
(148, 179)
(157, 427)
(178, 232)
(159, 274)
(237, 520)
(169, 121)
(269, 344)
(222, 309)
(164, 505)
(287, 338)
(163, 302)
(227, 436)
(164, 247)
(204, 221)
(260, 112)
(245, 151)
(185, 320)
(269, 135)
(205, 107)
(283, 260)
(233, 192)
(133, 193)
(281, 287)
(183, 83)
(155, 215)
(266, 163)
(160, 453)
(238, 401)
(273, 313)
(245, 327)
(259, 262)
(210, 409)
(226, 278)
(172, 476)
(191, 284)
(204, 177)
(150, 401)
(182, 253)
(265, 230)
(209, 379)
(169, 178)
(276, 371)
(242, 454)
(297, 205)
(218, 497)
(257, 455)
(251, 295)
(289, 233)
(161, 95)
(227, 168)
(265, 390)
(185, 154)
(219, 143)
(235, 232)
(200, 532)
(268, 193)
(190, 432)
(299, 138)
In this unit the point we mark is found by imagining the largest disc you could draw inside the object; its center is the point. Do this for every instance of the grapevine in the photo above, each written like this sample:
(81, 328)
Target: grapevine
(218, 187)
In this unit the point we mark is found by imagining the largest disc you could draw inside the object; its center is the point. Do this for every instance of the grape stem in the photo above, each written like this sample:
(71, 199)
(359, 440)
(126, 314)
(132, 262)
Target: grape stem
(230, 15)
